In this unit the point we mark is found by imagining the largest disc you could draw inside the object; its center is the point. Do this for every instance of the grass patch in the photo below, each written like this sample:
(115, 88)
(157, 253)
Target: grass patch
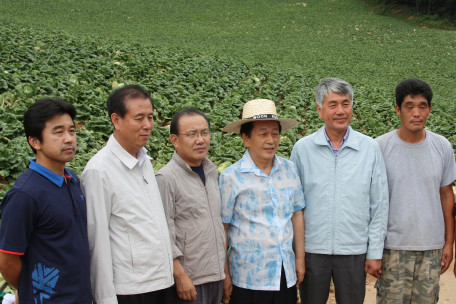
(339, 38)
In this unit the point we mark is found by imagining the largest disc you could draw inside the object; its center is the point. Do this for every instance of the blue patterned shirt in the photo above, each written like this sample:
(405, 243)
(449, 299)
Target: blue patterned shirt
(259, 208)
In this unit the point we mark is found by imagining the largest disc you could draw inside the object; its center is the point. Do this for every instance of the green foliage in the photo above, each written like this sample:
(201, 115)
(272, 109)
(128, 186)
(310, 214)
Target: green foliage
(372, 54)
(436, 8)
(324, 38)
(437, 14)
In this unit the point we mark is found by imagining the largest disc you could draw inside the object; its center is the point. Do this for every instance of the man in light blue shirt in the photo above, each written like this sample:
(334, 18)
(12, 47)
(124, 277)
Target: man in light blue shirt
(344, 181)
(262, 202)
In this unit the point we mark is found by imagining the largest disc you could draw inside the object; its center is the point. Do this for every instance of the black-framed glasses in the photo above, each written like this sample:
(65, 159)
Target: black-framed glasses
(194, 134)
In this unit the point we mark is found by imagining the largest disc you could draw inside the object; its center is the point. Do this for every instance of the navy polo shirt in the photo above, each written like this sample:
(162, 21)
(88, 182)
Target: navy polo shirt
(44, 220)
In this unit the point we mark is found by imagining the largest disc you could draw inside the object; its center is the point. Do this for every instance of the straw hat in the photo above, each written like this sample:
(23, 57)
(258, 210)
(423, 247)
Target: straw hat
(260, 109)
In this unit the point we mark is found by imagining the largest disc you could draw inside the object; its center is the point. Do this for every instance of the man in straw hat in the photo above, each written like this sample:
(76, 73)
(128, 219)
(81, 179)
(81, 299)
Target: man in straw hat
(344, 180)
(262, 202)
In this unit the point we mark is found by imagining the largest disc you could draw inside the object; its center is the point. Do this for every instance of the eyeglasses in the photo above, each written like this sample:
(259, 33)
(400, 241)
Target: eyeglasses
(193, 135)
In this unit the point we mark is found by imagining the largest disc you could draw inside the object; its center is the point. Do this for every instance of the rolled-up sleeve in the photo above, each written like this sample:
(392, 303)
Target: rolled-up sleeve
(379, 205)
(167, 197)
(98, 216)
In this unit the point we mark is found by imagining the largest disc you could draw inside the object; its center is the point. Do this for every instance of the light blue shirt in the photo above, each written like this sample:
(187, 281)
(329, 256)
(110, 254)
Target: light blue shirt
(336, 151)
(346, 197)
(259, 208)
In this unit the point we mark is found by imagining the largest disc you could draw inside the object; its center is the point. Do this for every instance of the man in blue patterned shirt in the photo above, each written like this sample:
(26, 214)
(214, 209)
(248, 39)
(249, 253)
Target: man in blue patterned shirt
(262, 202)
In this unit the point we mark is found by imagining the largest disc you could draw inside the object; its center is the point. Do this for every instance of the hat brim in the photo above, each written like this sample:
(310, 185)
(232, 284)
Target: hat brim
(286, 123)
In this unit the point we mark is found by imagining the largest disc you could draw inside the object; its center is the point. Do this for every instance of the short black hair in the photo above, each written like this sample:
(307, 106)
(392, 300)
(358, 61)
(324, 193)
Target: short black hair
(116, 101)
(40, 112)
(414, 87)
(174, 128)
(248, 127)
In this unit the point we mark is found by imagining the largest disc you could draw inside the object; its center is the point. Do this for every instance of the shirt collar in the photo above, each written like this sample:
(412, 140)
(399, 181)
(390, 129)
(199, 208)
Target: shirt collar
(343, 139)
(207, 164)
(352, 139)
(141, 155)
(247, 165)
(126, 158)
(55, 178)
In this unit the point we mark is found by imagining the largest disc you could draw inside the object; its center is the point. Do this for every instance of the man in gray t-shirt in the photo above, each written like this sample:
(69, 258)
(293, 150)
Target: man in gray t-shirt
(421, 168)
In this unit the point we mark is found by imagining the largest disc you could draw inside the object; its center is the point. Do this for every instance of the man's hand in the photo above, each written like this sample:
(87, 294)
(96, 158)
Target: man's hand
(297, 219)
(300, 270)
(227, 282)
(447, 200)
(185, 288)
(447, 257)
(227, 287)
(184, 285)
(373, 267)
(454, 271)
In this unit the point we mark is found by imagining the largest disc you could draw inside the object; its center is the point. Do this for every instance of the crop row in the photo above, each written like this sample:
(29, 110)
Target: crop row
(35, 63)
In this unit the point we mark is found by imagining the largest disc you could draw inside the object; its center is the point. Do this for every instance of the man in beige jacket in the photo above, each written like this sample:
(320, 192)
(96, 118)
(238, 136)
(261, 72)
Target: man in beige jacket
(190, 194)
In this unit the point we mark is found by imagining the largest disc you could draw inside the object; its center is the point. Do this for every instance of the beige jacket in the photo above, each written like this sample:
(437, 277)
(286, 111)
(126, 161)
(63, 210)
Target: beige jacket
(193, 212)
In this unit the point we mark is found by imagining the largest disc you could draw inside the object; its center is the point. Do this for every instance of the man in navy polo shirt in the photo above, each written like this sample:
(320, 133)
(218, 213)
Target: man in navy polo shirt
(44, 250)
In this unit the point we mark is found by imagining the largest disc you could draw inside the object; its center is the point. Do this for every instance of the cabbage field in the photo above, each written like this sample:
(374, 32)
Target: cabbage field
(36, 62)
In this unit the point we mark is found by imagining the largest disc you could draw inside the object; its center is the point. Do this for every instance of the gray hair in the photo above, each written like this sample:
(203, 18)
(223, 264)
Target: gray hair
(332, 85)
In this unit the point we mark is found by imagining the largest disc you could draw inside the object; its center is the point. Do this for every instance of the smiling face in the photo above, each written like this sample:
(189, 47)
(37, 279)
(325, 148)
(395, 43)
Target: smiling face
(58, 144)
(263, 141)
(414, 113)
(192, 150)
(337, 112)
(133, 131)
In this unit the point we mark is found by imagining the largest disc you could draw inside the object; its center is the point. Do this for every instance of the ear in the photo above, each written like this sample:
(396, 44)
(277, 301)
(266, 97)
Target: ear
(34, 142)
(246, 140)
(398, 110)
(116, 121)
(174, 140)
(319, 111)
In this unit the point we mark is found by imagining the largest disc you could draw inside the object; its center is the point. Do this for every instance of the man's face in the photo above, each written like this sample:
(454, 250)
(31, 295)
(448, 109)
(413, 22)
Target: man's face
(133, 131)
(336, 111)
(264, 140)
(192, 150)
(414, 113)
(58, 144)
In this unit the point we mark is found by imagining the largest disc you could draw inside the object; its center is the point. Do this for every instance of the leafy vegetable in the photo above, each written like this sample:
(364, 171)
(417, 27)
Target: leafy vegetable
(36, 63)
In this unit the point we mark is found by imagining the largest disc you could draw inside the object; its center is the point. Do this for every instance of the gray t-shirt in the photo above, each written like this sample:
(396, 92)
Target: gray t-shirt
(416, 172)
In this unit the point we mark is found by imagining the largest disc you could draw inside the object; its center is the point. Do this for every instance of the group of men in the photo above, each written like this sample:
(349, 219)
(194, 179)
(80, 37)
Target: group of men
(344, 205)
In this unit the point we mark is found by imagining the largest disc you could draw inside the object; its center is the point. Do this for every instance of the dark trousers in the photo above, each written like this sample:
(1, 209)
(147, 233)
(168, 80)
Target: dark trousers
(248, 296)
(163, 296)
(347, 272)
(209, 293)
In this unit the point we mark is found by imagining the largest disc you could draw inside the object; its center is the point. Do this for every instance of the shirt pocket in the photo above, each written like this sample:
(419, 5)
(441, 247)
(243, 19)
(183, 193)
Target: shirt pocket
(286, 199)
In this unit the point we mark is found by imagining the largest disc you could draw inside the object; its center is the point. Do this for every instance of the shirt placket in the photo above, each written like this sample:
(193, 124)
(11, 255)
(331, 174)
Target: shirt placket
(276, 219)
(75, 207)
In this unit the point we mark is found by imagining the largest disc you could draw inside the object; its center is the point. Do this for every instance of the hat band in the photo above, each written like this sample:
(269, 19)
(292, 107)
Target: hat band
(263, 116)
